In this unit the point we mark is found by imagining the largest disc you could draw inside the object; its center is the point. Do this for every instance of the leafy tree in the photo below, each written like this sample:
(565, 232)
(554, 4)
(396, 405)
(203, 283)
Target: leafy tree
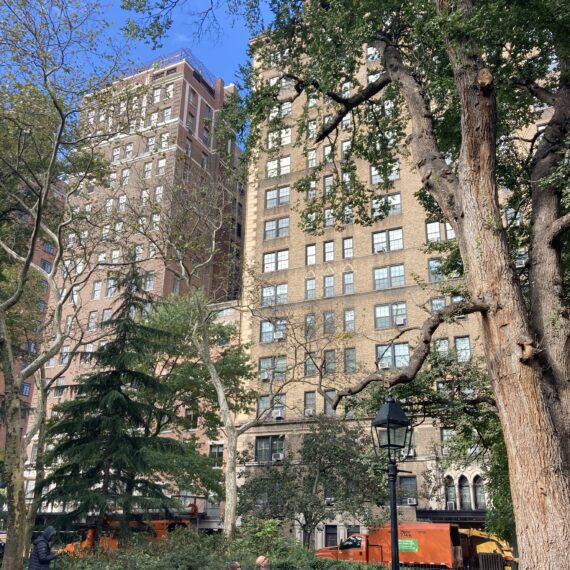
(332, 474)
(107, 453)
(468, 80)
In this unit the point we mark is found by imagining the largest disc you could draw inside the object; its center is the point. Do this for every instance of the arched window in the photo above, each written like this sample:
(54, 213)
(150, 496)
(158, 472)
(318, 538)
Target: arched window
(464, 494)
(450, 498)
(479, 488)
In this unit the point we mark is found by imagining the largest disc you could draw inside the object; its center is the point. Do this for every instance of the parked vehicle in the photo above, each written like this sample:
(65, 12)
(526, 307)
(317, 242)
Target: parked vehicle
(428, 544)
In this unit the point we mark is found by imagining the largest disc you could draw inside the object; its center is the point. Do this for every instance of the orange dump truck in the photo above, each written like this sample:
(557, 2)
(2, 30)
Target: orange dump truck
(431, 544)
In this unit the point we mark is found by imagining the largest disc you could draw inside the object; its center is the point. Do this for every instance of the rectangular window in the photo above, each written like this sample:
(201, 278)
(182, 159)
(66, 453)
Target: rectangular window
(329, 361)
(330, 396)
(387, 240)
(278, 167)
(161, 167)
(217, 454)
(111, 287)
(372, 54)
(433, 231)
(96, 292)
(463, 348)
(327, 154)
(311, 158)
(311, 129)
(349, 322)
(277, 197)
(329, 324)
(92, 321)
(267, 447)
(389, 277)
(312, 190)
(274, 330)
(310, 326)
(327, 184)
(310, 254)
(407, 488)
(164, 140)
(167, 114)
(449, 232)
(328, 251)
(328, 218)
(441, 346)
(310, 289)
(274, 295)
(310, 403)
(349, 360)
(276, 228)
(328, 286)
(149, 281)
(347, 248)
(434, 270)
(169, 91)
(386, 206)
(25, 389)
(272, 368)
(46, 265)
(388, 316)
(437, 304)
(275, 261)
(263, 405)
(129, 150)
(348, 283)
(156, 95)
(106, 316)
(310, 364)
(392, 356)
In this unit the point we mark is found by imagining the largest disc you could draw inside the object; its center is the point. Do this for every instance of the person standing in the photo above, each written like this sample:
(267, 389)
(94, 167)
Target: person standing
(41, 553)
(262, 562)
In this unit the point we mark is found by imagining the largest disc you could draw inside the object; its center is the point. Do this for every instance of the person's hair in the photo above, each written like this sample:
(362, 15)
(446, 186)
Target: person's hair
(234, 565)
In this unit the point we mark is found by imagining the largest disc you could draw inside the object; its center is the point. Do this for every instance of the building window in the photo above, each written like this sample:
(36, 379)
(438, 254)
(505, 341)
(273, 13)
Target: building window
(311, 129)
(310, 364)
(64, 355)
(331, 535)
(328, 251)
(92, 321)
(48, 247)
(149, 281)
(96, 291)
(464, 494)
(463, 348)
(329, 325)
(349, 360)
(392, 356)
(434, 270)
(389, 277)
(347, 248)
(278, 167)
(311, 158)
(25, 389)
(433, 232)
(310, 254)
(407, 488)
(310, 326)
(328, 218)
(330, 396)
(217, 454)
(161, 167)
(441, 346)
(437, 304)
(275, 330)
(329, 361)
(266, 447)
(392, 174)
(274, 295)
(46, 265)
(275, 261)
(276, 228)
(348, 283)
(388, 240)
(479, 492)
(273, 367)
(349, 321)
(388, 316)
(310, 403)
(450, 498)
(388, 205)
(169, 91)
(328, 286)
(129, 151)
(107, 314)
(310, 289)
(277, 197)
(263, 405)
(167, 114)
(125, 174)
(345, 149)
(372, 54)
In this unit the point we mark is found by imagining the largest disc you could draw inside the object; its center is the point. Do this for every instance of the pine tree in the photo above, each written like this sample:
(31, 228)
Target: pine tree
(105, 457)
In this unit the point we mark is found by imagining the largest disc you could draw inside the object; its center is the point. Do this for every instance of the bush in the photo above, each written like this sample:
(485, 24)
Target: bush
(189, 550)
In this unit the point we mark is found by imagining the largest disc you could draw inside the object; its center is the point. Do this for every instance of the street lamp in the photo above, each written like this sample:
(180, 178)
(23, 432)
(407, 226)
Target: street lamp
(390, 430)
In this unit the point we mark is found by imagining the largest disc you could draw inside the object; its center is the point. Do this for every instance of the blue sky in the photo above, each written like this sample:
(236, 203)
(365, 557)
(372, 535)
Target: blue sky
(222, 53)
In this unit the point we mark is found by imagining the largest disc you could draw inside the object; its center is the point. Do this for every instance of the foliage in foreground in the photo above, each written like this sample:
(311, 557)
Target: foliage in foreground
(188, 550)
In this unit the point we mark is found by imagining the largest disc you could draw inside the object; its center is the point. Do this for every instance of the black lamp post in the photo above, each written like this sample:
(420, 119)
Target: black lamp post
(390, 430)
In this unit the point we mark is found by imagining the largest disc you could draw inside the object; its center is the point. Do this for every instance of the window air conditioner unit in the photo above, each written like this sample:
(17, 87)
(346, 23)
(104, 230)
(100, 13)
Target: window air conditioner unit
(329, 501)
(278, 414)
(278, 335)
(450, 505)
(277, 457)
(266, 376)
(400, 321)
(384, 365)
(309, 412)
(409, 452)
(411, 502)
(380, 249)
(444, 450)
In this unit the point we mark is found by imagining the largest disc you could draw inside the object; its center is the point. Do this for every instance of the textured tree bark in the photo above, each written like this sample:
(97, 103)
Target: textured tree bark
(13, 459)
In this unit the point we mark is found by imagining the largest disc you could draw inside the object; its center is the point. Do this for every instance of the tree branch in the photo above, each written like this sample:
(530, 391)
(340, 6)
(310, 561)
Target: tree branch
(539, 92)
(419, 354)
(558, 228)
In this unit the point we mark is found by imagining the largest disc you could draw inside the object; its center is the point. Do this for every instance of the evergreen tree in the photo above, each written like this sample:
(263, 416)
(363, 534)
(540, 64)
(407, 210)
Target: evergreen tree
(105, 457)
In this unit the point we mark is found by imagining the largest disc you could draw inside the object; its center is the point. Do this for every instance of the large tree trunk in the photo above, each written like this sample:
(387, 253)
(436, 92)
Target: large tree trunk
(538, 461)
(13, 457)
(230, 505)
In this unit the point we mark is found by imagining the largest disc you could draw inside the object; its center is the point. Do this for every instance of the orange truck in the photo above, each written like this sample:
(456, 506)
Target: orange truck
(432, 544)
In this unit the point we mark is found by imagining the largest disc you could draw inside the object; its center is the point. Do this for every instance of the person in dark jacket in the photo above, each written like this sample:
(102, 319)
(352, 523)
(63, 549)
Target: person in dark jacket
(41, 553)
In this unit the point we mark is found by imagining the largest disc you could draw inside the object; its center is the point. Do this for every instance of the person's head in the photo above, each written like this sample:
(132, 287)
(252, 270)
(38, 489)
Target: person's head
(262, 562)
(49, 533)
(234, 565)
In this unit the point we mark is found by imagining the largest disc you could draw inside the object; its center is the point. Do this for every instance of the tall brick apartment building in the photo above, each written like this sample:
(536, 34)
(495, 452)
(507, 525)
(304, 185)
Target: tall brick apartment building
(328, 306)
(163, 160)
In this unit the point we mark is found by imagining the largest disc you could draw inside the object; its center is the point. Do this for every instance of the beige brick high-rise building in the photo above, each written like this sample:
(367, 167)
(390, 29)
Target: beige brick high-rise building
(330, 307)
